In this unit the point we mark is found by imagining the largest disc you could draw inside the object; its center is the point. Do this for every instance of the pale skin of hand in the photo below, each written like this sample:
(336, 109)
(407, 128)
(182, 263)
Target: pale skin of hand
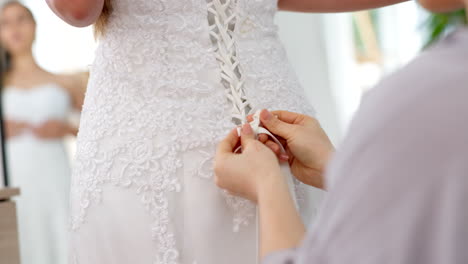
(308, 146)
(256, 175)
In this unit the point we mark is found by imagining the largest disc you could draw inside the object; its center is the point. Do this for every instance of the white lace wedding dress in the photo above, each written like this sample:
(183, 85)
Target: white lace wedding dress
(170, 79)
(41, 169)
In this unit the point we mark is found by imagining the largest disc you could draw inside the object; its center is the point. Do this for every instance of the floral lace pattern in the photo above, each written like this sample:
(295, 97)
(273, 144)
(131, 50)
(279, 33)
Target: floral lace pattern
(156, 92)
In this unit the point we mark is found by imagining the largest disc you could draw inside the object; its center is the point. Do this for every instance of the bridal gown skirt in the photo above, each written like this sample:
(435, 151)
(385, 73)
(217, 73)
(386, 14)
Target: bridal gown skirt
(168, 80)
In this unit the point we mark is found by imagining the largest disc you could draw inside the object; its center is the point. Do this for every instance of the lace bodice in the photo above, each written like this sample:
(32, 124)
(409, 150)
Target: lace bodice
(170, 79)
(165, 48)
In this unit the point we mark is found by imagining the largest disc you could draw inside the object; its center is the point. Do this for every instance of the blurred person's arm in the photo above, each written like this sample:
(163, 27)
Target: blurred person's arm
(75, 84)
(333, 5)
(54, 129)
(78, 13)
(77, 88)
(14, 128)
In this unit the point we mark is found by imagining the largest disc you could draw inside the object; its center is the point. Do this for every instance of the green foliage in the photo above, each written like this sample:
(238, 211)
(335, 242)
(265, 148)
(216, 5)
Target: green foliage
(439, 24)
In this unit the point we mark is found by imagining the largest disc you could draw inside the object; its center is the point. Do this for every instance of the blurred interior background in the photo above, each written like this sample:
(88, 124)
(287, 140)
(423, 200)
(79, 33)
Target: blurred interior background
(337, 57)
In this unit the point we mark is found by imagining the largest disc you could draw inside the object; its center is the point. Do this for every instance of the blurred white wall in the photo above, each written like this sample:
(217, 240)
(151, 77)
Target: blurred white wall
(60, 47)
(303, 37)
(403, 33)
(338, 36)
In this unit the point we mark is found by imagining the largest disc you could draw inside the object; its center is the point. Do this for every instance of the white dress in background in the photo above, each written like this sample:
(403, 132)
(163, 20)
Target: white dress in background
(168, 80)
(40, 168)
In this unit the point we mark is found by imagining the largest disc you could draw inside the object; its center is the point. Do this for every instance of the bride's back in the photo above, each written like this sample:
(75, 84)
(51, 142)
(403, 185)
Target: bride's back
(169, 79)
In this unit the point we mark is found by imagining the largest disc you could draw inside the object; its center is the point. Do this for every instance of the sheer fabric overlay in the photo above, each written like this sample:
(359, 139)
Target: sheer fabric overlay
(170, 79)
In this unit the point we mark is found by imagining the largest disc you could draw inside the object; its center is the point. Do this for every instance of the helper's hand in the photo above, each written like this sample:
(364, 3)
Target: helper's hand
(250, 172)
(309, 148)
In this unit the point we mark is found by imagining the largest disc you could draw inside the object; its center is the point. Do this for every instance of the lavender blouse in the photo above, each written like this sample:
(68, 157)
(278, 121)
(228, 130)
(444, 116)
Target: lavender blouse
(398, 186)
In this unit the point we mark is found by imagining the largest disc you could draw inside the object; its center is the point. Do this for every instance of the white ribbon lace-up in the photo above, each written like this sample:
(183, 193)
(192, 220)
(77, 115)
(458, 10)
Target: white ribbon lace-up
(258, 129)
(222, 18)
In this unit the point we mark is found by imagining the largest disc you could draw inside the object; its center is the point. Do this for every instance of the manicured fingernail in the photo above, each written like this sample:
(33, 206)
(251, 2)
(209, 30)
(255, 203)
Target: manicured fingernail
(247, 129)
(238, 129)
(265, 115)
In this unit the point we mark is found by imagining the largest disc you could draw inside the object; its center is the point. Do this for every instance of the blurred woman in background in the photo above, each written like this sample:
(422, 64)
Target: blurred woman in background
(36, 105)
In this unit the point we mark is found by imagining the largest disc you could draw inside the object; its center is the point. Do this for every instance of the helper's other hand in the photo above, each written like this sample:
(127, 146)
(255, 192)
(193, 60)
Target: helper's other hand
(308, 146)
(247, 173)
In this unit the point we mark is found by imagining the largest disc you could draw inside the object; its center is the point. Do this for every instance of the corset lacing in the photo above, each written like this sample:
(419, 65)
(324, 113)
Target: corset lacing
(222, 18)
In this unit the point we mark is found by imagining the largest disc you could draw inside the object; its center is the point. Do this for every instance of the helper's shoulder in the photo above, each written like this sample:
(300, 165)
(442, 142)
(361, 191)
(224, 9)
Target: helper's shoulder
(434, 86)
(421, 108)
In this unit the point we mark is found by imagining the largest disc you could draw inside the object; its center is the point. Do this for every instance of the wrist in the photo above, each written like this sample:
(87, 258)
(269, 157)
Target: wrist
(272, 184)
(280, 224)
(316, 174)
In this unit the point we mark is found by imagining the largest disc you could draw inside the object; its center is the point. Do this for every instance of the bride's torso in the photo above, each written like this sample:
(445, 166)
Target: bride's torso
(33, 161)
(163, 57)
(35, 106)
